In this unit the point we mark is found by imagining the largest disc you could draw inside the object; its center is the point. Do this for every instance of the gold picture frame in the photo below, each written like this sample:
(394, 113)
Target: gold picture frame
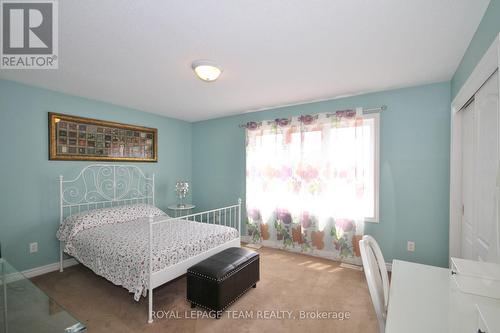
(73, 138)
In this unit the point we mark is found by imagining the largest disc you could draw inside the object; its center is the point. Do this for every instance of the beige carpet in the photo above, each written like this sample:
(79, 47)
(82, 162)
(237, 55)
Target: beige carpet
(289, 282)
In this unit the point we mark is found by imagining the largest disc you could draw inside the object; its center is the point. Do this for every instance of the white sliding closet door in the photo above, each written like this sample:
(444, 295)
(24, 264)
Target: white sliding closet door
(480, 156)
(486, 107)
(468, 220)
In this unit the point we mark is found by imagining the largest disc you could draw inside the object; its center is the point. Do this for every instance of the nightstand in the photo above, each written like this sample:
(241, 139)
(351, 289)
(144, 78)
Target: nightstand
(181, 211)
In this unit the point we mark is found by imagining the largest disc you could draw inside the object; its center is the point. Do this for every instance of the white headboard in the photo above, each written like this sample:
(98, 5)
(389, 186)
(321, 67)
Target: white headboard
(105, 185)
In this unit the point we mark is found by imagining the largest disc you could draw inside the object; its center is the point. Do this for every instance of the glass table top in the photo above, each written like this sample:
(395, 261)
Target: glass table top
(25, 308)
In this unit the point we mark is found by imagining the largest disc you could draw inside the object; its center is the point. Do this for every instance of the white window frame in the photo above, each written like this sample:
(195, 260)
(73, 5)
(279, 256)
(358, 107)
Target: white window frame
(376, 160)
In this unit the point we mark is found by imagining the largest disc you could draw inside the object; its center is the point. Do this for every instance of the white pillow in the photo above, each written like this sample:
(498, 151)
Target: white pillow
(73, 224)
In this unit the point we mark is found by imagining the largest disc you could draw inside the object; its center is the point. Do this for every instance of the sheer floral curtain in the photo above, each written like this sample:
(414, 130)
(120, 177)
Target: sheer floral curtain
(306, 180)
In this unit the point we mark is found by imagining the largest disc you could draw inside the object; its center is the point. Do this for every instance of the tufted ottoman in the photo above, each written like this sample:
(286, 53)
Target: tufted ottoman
(216, 282)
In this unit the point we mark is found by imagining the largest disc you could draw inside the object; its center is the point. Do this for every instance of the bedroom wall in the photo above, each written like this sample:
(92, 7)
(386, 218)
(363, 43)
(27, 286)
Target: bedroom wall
(485, 34)
(29, 181)
(414, 157)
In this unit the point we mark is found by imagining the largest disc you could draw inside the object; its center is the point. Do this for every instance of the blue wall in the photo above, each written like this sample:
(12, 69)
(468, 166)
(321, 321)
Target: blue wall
(414, 184)
(29, 181)
(415, 137)
(414, 165)
(414, 159)
(485, 34)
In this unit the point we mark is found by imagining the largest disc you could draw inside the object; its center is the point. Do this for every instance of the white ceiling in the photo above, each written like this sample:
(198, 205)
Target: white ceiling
(273, 52)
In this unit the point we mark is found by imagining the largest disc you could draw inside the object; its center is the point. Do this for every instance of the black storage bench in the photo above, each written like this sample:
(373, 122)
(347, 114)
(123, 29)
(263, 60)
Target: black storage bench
(216, 282)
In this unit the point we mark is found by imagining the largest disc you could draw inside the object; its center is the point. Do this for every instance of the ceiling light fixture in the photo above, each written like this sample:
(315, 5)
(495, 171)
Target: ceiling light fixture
(206, 70)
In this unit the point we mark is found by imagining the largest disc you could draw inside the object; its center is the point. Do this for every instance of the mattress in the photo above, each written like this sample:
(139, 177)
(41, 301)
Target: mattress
(119, 252)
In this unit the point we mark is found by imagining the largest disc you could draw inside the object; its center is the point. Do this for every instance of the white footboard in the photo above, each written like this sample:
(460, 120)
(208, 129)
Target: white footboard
(229, 216)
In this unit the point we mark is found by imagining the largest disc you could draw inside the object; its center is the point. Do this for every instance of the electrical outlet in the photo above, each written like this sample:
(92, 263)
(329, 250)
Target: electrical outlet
(410, 246)
(33, 247)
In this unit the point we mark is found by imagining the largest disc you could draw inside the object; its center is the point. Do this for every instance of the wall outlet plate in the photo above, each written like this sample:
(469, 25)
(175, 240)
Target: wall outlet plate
(410, 246)
(33, 247)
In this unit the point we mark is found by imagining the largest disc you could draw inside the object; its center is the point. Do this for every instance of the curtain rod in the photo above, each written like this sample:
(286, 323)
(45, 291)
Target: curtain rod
(365, 111)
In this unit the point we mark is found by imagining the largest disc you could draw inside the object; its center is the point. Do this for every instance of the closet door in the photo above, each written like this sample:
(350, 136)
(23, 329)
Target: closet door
(486, 170)
(468, 219)
(480, 163)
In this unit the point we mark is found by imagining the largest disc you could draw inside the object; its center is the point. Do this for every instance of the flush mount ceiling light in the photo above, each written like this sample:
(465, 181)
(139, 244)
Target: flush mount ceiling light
(206, 70)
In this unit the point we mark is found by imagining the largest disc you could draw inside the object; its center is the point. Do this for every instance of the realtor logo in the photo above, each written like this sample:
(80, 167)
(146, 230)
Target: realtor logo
(29, 34)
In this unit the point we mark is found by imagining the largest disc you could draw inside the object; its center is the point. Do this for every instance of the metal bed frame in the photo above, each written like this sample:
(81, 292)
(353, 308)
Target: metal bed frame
(104, 185)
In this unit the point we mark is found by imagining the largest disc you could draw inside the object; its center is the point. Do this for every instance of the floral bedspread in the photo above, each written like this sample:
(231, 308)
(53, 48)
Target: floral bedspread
(119, 252)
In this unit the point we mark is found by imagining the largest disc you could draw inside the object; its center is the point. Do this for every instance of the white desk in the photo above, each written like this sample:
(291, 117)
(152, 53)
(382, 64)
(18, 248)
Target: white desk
(425, 299)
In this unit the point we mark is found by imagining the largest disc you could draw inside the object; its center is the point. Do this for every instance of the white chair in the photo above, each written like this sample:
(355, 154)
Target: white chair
(376, 276)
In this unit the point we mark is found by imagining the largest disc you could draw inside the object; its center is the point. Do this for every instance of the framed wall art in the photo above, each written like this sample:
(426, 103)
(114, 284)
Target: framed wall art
(79, 139)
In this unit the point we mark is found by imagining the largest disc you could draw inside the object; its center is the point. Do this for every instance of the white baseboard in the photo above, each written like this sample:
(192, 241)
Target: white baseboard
(29, 273)
(248, 239)
(253, 246)
(351, 266)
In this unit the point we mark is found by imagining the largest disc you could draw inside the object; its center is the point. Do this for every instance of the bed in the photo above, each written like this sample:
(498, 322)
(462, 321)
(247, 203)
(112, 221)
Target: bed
(109, 223)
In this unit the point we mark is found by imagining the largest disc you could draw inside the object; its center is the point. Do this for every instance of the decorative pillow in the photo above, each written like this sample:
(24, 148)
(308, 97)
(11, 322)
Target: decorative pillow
(73, 224)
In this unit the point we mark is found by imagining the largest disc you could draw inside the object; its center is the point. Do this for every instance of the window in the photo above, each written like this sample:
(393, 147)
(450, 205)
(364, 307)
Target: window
(341, 149)
(313, 181)
(371, 126)
(326, 166)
